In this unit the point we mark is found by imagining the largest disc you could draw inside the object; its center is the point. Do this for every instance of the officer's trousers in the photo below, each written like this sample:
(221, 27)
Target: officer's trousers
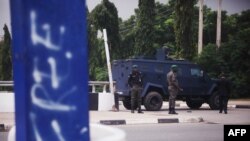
(172, 97)
(223, 100)
(136, 97)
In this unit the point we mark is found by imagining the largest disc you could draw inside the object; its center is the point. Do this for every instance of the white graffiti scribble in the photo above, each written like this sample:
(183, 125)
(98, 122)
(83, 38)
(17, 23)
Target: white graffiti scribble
(57, 129)
(68, 55)
(54, 77)
(38, 39)
(33, 120)
(37, 75)
(83, 130)
(72, 90)
(41, 96)
(48, 103)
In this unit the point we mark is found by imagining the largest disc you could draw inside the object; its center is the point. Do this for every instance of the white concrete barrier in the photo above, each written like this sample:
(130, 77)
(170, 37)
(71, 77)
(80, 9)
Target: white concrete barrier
(105, 101)
(101, 101)
(7, 102)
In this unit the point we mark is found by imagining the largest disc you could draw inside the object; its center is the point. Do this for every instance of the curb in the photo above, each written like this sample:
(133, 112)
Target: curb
(152, 121)
(184, 105)
(243, 106)
(113, 122)
(228, 106)
(168, 120)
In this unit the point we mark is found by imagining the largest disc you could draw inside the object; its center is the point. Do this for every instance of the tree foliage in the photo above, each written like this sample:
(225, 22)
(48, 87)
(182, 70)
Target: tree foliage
(164, 25)
(208, 60)
(145, 34)
(163, 28)
(127, 32)
(233, 56)
(5, 57)
(184, 11)
(105, 15)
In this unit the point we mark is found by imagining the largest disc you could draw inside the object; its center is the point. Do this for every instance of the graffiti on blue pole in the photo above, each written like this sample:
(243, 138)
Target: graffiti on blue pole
(50, 69)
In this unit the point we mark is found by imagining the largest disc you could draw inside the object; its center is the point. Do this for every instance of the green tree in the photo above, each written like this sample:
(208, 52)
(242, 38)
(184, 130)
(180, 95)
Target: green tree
(209, 60)
(233, 55)
(105, 15)
(145, 34)
(5, 57)
(96, 53)
(210, 25)
(164, 25)
(184, 11)
(127, 32)
(236, 55)
(92, 39)
(163, 30)
(1, 52)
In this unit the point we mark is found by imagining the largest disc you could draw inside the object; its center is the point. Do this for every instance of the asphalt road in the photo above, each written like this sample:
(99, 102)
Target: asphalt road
(167, 132)
(174, 132)
(211, 129)
(3, 136)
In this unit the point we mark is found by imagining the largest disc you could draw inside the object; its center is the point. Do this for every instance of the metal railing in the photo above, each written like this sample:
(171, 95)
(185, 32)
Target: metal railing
(99, 86)
(6, 84)
(94, 86)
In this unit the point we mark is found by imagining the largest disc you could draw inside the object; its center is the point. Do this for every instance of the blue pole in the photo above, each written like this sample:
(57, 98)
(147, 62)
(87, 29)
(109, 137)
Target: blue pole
(50, 70)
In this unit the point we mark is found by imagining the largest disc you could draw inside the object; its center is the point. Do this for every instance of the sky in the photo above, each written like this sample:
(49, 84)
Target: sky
(126, 8)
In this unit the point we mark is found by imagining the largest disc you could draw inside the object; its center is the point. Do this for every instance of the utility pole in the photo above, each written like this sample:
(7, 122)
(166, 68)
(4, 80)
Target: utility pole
(111, 85)
(218, 31)
(200, 37)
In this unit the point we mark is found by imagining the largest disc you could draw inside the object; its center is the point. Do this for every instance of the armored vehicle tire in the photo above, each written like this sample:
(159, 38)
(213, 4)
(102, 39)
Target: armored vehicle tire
(127, 103)
(153, 101)
(214, 101)
(193, 104)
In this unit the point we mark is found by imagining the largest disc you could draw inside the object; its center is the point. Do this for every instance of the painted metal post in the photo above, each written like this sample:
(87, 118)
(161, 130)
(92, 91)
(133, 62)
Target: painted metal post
(111, 85)
(218, 29)
(200, 38)
(50, 70)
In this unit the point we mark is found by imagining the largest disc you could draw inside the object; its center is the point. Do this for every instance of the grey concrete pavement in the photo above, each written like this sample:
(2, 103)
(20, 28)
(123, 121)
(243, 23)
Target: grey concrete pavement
(7, 120)
(125, 117)
(149, 117)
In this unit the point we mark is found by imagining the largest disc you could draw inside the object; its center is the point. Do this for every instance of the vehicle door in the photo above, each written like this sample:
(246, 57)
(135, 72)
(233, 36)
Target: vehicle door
(197, 80)
(183, 79)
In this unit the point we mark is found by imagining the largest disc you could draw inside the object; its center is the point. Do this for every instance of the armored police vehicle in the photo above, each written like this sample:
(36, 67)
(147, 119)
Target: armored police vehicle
(198, 88)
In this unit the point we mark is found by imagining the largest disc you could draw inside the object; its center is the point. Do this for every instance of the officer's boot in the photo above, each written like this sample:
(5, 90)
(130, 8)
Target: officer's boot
(225, 110)
(132, 107)
(132, 110)
(139, 110)
(173, 111)
(221, 109)
(170, 110)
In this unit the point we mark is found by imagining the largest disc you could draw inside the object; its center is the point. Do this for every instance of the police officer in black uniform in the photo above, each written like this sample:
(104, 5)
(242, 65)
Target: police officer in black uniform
(135, 84)
(224, 92)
